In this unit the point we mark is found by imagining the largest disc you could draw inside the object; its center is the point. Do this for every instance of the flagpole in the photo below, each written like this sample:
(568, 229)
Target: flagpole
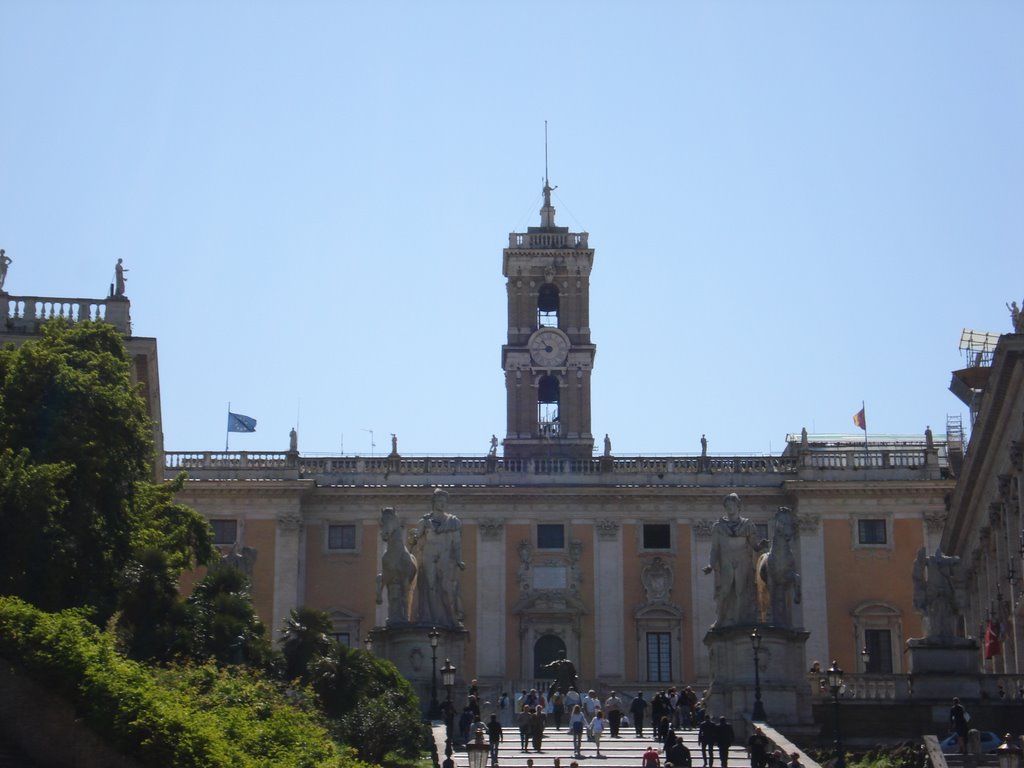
(867, 458)
(227, 428)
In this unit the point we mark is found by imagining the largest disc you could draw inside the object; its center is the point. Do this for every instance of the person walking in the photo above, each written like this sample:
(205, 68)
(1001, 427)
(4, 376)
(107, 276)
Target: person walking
(706, 737)
(494, 737)
(958, 719)
(679, 755)
(523, 720)
(597, 728)
(637, 708)
(757, 749)
(613, 707)
(724, 737)
(537, 727)
(651, 758)
(557, 707)
(577, 724)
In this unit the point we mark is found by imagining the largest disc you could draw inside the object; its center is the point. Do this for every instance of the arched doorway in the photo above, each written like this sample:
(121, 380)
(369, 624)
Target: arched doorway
(545, 650)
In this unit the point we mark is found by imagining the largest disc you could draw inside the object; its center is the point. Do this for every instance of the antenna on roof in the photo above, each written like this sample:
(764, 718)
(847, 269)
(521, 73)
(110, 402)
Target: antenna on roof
(545, 153)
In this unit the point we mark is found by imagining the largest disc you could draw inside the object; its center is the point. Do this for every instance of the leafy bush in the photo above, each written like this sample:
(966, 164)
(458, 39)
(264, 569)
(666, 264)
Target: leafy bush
(186, 716)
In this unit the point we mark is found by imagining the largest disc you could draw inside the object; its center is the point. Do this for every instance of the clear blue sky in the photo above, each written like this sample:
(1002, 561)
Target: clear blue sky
(796, 206)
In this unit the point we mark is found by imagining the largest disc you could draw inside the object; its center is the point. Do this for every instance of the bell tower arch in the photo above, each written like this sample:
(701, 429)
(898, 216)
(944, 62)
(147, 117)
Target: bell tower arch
(548, 356)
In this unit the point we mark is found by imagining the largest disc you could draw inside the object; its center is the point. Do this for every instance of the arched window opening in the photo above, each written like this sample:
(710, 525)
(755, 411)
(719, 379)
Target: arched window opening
(548, 648)
(547, 306)
(547, 406)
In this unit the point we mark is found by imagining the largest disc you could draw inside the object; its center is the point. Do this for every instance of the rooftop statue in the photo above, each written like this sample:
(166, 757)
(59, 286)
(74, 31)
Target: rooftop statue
(5, 262)
(119, 278)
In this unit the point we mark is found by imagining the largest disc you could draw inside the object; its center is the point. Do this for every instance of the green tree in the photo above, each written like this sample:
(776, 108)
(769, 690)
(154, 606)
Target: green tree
(222, 621)
(77, 506)
(305, 638)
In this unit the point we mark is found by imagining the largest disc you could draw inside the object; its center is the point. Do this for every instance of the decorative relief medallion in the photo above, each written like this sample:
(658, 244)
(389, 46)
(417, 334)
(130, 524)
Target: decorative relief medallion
(607, 529)
(491, 530)
(289, 521)
(657, 580)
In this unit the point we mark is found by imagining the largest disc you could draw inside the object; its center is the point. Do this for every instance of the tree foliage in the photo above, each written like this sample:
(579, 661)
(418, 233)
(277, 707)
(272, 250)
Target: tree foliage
(79, 512)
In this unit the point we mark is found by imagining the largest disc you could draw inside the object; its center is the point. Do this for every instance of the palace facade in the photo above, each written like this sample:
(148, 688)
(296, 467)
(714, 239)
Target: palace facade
(601, 556)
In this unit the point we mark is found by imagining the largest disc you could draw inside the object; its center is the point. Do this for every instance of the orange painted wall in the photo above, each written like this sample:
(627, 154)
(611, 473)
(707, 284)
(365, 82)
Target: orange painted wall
(339, 580)
(856, 575)
(262, 536)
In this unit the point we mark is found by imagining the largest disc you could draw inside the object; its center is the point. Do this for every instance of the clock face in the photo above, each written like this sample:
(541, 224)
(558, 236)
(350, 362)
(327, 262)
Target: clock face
(549, 347)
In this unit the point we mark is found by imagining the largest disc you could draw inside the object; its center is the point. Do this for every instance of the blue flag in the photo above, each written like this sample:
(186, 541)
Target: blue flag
(239, 423)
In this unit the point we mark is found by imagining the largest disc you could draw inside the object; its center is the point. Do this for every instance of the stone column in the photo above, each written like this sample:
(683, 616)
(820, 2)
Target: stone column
(607, 597)
(288, 564)
(703, 597)
(813, 610)
(491, 588)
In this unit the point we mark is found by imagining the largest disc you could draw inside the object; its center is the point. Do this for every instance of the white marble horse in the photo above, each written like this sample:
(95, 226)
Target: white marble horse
(778, 582)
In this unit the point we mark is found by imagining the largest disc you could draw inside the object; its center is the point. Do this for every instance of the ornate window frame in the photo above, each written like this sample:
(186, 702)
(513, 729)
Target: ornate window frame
(875, 614)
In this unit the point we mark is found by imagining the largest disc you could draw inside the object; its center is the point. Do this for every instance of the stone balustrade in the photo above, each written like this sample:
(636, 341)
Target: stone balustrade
(896, 464)
(25, 314)
(529, 240)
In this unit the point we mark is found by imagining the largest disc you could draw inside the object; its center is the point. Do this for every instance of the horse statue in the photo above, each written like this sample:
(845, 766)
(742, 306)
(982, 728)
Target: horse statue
(397, 569)
(778, 583)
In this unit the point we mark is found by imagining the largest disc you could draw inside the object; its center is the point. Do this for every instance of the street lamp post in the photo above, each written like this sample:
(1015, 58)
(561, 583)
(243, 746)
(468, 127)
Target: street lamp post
(448, 680)
(758, 715)
(835, 684)
(434, 636)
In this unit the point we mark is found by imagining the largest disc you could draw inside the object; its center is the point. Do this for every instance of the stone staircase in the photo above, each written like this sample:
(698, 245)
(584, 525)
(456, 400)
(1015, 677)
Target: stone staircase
(623, 752)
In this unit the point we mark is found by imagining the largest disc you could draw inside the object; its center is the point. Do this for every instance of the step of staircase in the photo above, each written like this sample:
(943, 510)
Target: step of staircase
(624, 752)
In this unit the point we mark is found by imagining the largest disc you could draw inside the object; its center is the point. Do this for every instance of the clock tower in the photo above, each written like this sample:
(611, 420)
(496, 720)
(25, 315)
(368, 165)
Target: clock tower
(548, 358)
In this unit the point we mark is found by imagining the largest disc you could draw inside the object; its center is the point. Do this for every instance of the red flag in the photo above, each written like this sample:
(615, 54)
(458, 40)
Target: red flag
(993, 646)
(860, 420)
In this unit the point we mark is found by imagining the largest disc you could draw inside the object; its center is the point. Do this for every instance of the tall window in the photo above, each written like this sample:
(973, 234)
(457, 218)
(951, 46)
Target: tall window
(547, 306)
(879, 645)
(659, 657)
(341, 537)
(225, 532)
(547, 407)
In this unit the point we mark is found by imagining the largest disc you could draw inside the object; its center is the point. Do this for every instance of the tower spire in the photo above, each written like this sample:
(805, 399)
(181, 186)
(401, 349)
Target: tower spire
(547, 213)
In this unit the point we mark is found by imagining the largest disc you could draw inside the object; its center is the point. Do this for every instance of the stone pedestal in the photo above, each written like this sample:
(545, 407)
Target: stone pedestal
(784, 690)
(407, 646)
(944, 670)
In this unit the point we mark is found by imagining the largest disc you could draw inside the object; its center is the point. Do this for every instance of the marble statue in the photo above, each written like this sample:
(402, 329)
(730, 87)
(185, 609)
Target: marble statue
(394, 444)
(437, 543)
(5, 262)
(397, 569)
(703, 446)
(935, 594)
(242, 558)
(1016, 316)
(119, 278)
(293, 441)
(734, 545)
(778, 581)
(607, 445)
(494, 446)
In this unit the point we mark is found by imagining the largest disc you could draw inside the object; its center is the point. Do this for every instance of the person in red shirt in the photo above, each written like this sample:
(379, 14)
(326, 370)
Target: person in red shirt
(652, 758)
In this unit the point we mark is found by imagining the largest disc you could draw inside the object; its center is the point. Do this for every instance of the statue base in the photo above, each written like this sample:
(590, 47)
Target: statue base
(943, 669)
(785, 693)
(407, 646)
